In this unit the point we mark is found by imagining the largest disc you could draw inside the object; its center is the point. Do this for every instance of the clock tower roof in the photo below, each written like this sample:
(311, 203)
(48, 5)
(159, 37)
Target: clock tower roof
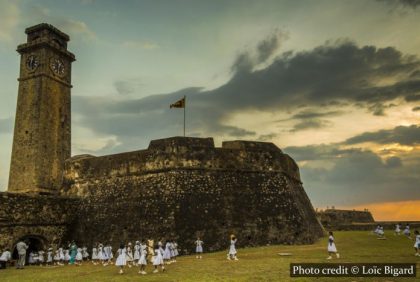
(46, 35)
(44, 29)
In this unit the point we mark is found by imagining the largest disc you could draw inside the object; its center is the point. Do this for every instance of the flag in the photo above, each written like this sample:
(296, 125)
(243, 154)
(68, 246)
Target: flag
(178, 104)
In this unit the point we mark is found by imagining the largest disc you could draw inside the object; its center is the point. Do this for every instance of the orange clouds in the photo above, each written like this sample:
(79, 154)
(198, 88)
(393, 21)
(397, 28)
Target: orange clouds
(393, 211)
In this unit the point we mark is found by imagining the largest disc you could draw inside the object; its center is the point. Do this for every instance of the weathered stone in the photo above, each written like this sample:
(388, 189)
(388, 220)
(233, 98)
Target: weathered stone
(178, 188)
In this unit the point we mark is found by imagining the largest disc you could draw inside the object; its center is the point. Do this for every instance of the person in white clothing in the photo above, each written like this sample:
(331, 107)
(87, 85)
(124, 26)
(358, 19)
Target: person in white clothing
(406, 231)
(136, 252)
(95, 255)
(122, 258)
(4, 258)
(41, 258)
(397, 229)
(129, 254)
(199, 248)
(167, 253)
(331, 247)
(232, 249)
(417, 243)
(79, 256)
(158, 259)
(142, 260)
(85, 253)
(50, 256)
(176, 253)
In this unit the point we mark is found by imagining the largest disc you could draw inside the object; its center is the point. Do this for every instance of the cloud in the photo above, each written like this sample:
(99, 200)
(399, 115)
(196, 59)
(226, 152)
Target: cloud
(412, 4)
(336, 176)
(247, 61)
(415, 109)
(333, 74)
(75, 27)
(310, 124)
(140, 44)
(404, 135)
(127, 86)
(9, 19)
(310, 114)
(38, 14)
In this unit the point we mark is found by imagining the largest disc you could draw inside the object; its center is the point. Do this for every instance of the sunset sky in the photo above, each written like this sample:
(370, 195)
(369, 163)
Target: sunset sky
(334, 84)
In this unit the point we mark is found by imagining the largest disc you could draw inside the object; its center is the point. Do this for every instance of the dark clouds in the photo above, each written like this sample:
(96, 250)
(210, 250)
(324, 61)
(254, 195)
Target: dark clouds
(404, 135)
(312, 86)
(335, 73)
(309, 119)
(336, 176)
(246, 61)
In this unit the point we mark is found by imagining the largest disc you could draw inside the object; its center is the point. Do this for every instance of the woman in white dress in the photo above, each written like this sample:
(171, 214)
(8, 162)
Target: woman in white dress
(66, 256)
(407, 231)
(31, 258)
(79, 256)
(397, 229)
(94, 255)
(61, 253)
(136, 252)
(331, 247)
(101, 252)
(41, 257)
(142, 260)
(158, 259)
(172, 248)
(57, 257)
(176, 253)
(129, 255)
(105, 255)
(167, 253)
(122, 258)
(417, 243)
(232, 248)
(85, 253)
(50, 256)
(381, 232)
(199, 248)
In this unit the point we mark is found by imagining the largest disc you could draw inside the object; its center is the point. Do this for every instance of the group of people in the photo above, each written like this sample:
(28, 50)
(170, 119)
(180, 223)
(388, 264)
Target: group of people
(60, 256)
(159, 255)
(406, 231)
(379, 230)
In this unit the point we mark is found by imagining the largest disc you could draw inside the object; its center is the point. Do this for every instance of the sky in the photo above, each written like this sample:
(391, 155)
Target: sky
(334, 84)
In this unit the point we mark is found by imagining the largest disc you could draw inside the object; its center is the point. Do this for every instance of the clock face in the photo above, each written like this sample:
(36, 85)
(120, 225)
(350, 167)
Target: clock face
(57, 66)
(32, 62)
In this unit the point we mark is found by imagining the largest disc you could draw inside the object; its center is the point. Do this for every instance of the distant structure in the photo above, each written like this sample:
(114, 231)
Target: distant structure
(178, 188)
(336, 219)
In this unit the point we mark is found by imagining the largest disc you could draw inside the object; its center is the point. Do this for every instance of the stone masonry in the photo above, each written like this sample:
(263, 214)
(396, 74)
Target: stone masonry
(178, 188)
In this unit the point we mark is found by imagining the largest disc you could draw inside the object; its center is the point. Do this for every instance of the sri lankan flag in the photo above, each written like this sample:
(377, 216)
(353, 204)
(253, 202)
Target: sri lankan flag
(178, 104)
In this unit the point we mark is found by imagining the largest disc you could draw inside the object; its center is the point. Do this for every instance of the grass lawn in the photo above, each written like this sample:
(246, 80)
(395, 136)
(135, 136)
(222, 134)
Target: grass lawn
(255, 264)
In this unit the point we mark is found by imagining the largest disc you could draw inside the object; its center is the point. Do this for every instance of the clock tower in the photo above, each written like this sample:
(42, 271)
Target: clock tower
(42, 134)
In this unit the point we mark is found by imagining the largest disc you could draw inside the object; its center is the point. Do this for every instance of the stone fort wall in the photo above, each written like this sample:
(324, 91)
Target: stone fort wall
(333, 218)
(45, 218)
(183, 187)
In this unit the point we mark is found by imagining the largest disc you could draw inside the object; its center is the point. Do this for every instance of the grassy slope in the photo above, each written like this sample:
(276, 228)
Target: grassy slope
(255, 264)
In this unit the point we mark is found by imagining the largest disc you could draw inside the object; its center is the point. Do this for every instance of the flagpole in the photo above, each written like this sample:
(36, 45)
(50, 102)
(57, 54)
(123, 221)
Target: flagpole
(185, 105)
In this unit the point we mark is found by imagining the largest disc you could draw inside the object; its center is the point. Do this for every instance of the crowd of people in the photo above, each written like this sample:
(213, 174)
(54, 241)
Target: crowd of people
(142, 252)
(127, 255)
